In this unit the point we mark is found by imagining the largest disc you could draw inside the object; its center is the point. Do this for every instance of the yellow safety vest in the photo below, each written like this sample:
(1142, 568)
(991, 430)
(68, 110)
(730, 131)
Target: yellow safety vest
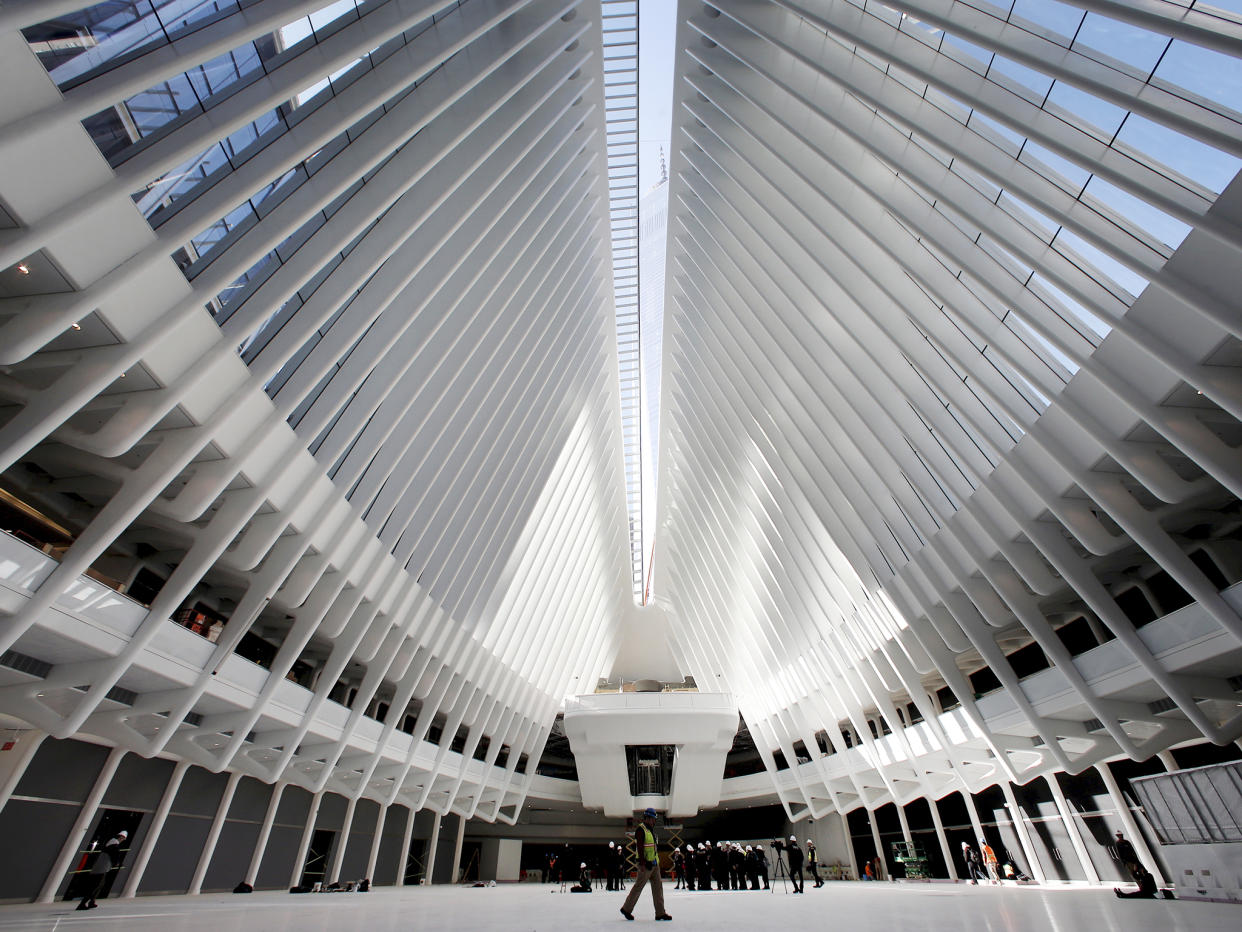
(648, 844)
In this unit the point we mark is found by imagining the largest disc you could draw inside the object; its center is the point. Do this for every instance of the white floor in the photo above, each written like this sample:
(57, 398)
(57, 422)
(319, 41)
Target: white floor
(840, 907)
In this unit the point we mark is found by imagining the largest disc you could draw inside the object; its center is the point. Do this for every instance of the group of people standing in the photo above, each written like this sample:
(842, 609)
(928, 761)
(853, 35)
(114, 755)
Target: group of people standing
(978, 860)
(728, 865)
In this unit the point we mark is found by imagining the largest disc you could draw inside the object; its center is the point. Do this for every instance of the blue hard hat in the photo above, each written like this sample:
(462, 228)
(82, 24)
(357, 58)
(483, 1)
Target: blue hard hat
(650, 813)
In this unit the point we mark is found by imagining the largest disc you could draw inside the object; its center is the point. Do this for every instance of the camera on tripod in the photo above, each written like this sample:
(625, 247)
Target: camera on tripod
(777, 844)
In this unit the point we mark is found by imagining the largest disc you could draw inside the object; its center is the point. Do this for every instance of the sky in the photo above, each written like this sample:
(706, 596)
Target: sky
(657, 21)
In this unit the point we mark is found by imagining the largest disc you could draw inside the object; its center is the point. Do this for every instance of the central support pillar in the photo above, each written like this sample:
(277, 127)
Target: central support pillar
(943, 839)
(457, 844)
(429, 873)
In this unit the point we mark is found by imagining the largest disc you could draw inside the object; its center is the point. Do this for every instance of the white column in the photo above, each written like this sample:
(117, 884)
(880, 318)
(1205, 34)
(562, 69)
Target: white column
(943, 839)
(299, 862)
(879, 847)
(905, 824)
(152, 835)
(265, 832)
(1024, 837)
(461, 837)
(338, 855)
(428, 871)
(1166, 758)
(213, 836)
(73, 844)
(1131, 827)
(373, 858)
(975, 822)
(14, 762)
(1071, 826)
(849, 846)
(407, 837)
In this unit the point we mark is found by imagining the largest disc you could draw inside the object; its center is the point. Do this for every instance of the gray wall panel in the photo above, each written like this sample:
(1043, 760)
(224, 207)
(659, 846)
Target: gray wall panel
(62, 770)
(42, 828)
(294, 806)
(176, 855)
(278, 858)
(331, 812)
(200, 792)
(138, 784)
(231, 857)
(250, 800)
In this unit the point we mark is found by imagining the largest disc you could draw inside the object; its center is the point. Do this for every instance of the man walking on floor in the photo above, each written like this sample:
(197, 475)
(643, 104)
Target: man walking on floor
(648, 869)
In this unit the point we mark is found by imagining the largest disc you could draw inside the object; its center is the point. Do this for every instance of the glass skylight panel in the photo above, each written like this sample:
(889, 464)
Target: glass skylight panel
(620, 29)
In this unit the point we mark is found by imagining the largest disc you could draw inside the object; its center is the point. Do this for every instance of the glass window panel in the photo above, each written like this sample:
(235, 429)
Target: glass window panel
(1086, 107)
(1052, 19)
(73, 46)
(972, 56)
(1146, 217)
(1115, 42)
(160, 105)
(1117, 278)
(996, 133)
(1208, 74)
(1035, 84)
(1062, 171)
(182, 16)
(1197, 161)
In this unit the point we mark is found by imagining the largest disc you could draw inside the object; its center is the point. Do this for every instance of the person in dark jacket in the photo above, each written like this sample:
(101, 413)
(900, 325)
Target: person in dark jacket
(973, 867)
(737, 867)
(1128, 856)
(107, 859)
(761, 864)
(692, 867)
(795, 863)
(679, 868)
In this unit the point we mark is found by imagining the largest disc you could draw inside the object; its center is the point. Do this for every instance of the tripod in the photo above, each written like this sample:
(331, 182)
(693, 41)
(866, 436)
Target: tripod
(780, 874)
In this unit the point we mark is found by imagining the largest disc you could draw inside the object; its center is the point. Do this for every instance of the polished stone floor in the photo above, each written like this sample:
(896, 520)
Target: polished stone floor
(848, 907)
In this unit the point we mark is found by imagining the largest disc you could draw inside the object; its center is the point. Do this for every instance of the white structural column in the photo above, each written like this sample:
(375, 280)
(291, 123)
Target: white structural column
(455, 872)
(77, 835)
(945, 851)
(338, 853)
(432, 845)
(403, 855)
(299, 859)
(879, 846)
(905, 824)
(376, 838)
(213, 835)
(1071, 828)
(1131, 827)
(976, 823)
(265, 833)
(1021, 829)
(153, 830)
(849, 846)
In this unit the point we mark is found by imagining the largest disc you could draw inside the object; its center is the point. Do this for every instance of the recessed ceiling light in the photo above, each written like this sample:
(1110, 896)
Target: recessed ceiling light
(76, 325)
(23, 268)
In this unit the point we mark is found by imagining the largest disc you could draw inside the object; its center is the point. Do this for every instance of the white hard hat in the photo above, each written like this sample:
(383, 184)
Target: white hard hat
(811, 843)
(582, 865)
(758, 847)
(612, 844)
(793, 839)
